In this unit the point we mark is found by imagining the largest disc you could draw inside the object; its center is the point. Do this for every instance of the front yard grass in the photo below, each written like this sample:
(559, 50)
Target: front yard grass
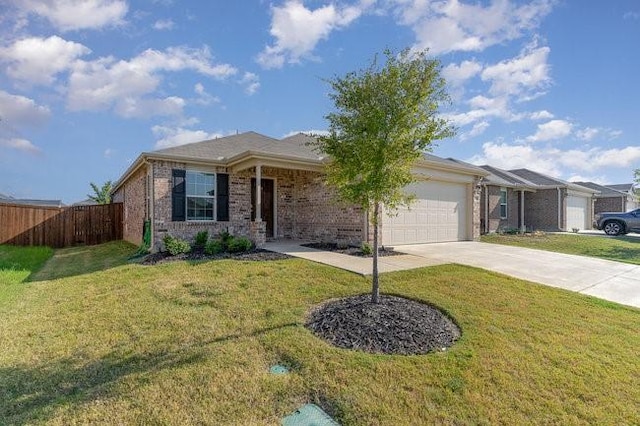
(621, 249)
(191, 343)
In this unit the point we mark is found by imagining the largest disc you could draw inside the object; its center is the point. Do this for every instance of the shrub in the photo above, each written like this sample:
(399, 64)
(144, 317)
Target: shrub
(201, 238)
(239, 245)
(176, 246)
(366, 248)
(225, 237)
(214, 247)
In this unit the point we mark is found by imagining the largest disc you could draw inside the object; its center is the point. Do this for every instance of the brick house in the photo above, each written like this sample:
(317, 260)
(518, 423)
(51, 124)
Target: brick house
(612, 198)
(264, 188)
(526, 200)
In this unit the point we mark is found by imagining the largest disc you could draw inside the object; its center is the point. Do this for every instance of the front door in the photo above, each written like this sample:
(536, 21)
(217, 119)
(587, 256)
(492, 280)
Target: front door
(267, 199)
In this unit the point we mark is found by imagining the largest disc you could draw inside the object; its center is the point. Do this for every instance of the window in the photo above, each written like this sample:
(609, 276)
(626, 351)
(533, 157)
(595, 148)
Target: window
(200, 195)
(503, 203)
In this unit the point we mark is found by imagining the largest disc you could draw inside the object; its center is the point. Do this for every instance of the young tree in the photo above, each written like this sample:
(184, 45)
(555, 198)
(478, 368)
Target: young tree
(102, 195)
(386, 117)
(636, 178)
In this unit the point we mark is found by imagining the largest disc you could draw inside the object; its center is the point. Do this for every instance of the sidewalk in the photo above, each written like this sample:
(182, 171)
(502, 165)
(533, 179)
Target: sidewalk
(359, 265)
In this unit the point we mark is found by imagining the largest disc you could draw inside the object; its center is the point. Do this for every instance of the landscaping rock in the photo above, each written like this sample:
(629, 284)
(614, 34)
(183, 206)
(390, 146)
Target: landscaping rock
(351, 250)
(200, 255)
(394, 326)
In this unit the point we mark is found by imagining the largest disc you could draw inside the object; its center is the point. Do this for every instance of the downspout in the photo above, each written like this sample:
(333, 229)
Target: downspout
(523, 227)
(559, 208)
(151, 197)
(486, 209)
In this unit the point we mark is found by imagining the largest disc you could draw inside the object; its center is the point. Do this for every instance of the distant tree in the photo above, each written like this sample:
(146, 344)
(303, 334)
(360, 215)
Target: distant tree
(636, 179)
(101, 195)
(386, 117)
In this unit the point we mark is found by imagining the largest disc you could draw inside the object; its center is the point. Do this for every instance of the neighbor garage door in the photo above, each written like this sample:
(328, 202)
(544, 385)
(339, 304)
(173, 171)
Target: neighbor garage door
(440, 213)
(577, 212)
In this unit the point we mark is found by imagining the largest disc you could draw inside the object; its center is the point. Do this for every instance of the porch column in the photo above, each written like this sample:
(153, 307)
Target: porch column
(523, 227)
(258, 193)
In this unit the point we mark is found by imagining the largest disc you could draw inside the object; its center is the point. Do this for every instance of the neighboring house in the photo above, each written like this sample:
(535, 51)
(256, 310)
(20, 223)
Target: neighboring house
(633, 195)
(87, 202)
(525, 200)
(610, 199)
(504, 201)
(7, 199)
(264, 188)
(556, 205)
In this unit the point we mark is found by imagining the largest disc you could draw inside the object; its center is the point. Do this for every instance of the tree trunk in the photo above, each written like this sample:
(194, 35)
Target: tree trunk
(375, 286)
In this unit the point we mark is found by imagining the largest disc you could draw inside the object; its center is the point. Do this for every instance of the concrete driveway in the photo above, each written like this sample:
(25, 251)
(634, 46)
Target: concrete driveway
(614, 281)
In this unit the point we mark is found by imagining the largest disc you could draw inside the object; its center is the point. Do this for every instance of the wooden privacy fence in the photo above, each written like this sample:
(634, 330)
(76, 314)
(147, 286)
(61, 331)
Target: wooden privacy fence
(60, 227)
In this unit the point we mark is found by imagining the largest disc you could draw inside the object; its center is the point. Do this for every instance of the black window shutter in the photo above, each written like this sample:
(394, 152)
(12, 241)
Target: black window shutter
(222, 192)
(178, 193)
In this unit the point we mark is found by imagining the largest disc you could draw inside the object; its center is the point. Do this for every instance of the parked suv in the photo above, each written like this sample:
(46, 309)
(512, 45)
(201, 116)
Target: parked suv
(618, 223)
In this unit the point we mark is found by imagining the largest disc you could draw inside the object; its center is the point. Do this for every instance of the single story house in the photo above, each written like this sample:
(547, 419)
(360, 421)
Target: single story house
(7, 199)
(503, 201)
(526, 200)
(265, 188)
(610, 199)
(632, 192)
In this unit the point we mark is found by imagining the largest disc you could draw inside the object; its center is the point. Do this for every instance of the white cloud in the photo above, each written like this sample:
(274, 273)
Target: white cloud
(251, 82)
(20, 145)
(587, 133)
(38, 60)
(107, 82)
(556, 162)
(551, 130)
(163, 24)
(509, 157)
(68, 15)
(597, 158)
(477, 129)
(631, 15)
(175, 136)
(541, 115)
(457, 74)
(298, 30)
(522, 75)
(306, 132)
(451, 25)
(133, 107)
(204, 97)
(108, 153)
(19, 111)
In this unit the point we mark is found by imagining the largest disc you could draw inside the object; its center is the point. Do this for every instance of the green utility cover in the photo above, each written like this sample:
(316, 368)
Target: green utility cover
(279, 369)
(309, 415)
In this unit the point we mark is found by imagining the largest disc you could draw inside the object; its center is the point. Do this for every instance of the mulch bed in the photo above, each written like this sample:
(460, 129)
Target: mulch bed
(199, 255)
(350, 250)
(394, 326)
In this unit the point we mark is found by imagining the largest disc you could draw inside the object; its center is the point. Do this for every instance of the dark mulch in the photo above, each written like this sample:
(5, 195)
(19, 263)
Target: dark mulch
(350, 250)
(394, 326)
(200, 255)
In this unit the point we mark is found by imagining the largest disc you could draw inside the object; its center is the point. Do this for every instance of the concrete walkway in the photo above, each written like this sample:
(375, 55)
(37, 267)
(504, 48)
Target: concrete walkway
(614, 281)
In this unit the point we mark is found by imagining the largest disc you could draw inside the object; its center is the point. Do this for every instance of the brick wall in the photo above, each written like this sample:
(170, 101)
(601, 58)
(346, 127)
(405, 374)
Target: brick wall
(611, 204)
(133, 195)
(492, 206)
(542, 209)
(305, 207)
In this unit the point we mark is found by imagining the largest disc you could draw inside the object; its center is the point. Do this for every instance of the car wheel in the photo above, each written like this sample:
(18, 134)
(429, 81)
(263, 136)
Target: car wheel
(612, 228)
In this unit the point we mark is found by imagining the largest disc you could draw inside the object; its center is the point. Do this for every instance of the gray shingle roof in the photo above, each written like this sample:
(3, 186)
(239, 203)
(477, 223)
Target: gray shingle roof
(504, 177)
(545, 180)
(624, 187)
(226, 147)
(605, 191)
(33, 202)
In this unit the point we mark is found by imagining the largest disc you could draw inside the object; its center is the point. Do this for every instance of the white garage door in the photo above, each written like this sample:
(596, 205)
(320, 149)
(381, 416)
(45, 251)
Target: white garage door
(577, 212)
(439, 213)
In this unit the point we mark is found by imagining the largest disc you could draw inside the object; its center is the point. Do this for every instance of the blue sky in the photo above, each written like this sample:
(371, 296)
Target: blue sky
(86, 86)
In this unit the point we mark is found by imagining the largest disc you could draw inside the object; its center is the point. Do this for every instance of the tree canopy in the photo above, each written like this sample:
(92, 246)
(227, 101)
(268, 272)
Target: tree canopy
(385, 117)
(101, 195)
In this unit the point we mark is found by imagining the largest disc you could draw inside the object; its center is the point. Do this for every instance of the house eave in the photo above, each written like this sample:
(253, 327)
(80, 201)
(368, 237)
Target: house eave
(250, 159)
(452, 168)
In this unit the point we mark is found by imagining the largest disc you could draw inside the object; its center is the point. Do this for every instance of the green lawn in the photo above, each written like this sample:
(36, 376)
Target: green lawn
(621, 249)
(104, 342)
